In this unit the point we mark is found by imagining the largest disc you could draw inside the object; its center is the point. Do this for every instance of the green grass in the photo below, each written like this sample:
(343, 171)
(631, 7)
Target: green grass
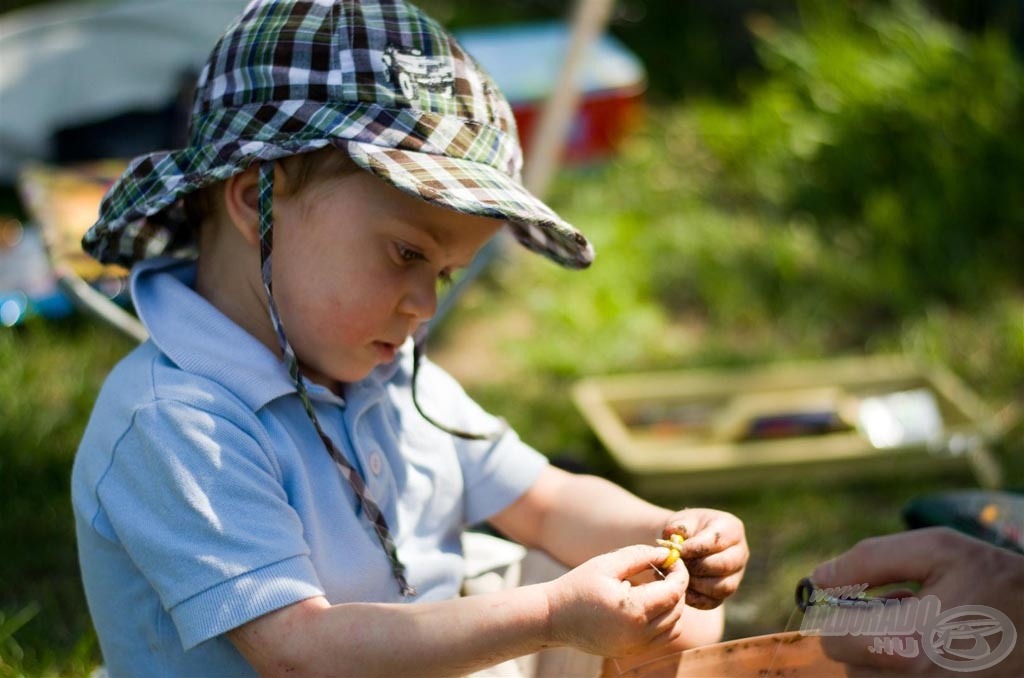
(50, 376)
(683, 279)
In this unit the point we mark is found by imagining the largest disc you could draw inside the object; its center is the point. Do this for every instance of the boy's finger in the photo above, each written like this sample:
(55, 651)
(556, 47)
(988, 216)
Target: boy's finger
(698, 600)
(687, 526)
(665, 621)
(732, 559)
(667, 633)
(707, 542)
(632, 560)
(659, 596)
(677, 571)
(717, 588)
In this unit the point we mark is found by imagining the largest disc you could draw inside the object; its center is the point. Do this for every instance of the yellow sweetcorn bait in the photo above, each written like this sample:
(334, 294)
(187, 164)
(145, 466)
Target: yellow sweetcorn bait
(672, 544)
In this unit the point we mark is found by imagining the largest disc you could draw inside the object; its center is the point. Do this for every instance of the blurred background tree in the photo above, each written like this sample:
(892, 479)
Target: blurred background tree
(692, 47)
(888, 129)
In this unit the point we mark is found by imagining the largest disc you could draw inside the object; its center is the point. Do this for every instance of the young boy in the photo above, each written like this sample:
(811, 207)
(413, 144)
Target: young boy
(259, 486)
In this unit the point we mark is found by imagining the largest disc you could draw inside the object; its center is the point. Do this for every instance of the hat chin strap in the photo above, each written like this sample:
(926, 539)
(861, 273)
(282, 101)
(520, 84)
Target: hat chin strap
(370, 508)
(419, 348)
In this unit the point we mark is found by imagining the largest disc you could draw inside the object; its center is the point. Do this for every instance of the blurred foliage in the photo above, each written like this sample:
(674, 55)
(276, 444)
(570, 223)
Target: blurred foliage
(682, 279)
(891, 132)
(690, 47)
(709, 252)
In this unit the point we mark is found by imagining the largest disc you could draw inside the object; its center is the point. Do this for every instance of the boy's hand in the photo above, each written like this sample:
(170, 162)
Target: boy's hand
(595, 609)
(715, 553)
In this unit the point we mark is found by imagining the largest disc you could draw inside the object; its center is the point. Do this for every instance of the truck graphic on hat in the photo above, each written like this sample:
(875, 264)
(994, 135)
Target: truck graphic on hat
(409, 70)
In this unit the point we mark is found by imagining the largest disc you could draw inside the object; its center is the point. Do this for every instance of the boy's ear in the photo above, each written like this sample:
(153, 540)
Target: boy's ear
(241, 201)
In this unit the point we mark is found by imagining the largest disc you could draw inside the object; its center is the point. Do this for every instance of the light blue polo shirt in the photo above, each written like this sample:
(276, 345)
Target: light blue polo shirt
(204, 498)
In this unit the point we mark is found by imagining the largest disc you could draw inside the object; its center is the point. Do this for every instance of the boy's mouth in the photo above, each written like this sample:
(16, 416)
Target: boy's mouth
(386, 350)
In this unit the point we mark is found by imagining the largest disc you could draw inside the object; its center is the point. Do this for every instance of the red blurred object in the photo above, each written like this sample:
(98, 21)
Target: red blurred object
(602, 120)
(523, 60)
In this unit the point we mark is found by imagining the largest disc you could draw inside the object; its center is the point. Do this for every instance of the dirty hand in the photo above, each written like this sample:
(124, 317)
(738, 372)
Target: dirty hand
(715, 553)
(596, 609)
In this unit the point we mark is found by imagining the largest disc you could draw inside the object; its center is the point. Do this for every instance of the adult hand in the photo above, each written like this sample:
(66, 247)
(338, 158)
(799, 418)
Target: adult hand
(595, 608)
(953, 567)
(715, 553)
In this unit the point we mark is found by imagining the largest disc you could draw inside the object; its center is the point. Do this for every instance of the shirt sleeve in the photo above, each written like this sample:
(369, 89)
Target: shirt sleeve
(495, 472)
(200, 508)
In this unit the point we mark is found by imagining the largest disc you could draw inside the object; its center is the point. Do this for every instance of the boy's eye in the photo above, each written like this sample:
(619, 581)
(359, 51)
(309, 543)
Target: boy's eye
(409, 254)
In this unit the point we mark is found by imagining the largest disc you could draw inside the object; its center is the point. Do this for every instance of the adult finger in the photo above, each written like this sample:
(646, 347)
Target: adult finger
(856, 651)
(891, 558)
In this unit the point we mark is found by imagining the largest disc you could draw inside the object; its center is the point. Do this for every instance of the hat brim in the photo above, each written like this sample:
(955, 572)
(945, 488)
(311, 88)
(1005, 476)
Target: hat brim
(478, 189)
(141, 215)
(138, 220)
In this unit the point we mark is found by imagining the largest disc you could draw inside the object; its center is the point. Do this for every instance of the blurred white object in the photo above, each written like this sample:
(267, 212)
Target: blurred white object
(70, 62)
(901, 418)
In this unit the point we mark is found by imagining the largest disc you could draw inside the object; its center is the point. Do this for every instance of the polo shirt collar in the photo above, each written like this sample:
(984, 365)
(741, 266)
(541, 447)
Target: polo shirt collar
(200, 339)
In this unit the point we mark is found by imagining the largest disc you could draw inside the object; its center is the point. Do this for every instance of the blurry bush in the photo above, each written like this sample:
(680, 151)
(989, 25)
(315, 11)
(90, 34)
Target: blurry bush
(896, 135)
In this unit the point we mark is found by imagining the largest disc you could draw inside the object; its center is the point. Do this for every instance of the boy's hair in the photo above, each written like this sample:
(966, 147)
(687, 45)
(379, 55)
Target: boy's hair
(299, 172)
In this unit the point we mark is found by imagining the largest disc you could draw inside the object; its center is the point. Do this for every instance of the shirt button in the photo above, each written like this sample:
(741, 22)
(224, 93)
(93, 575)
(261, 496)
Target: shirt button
(376, 463)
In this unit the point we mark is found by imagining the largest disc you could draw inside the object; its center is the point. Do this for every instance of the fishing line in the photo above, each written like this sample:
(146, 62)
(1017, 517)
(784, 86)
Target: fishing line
(789, 622)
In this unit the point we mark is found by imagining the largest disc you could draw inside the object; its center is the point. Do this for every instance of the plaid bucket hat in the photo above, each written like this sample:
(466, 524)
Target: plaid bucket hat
(381, 81)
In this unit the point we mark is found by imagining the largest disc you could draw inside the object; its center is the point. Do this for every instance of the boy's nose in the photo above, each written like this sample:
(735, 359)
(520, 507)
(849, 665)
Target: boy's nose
(420, 301)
